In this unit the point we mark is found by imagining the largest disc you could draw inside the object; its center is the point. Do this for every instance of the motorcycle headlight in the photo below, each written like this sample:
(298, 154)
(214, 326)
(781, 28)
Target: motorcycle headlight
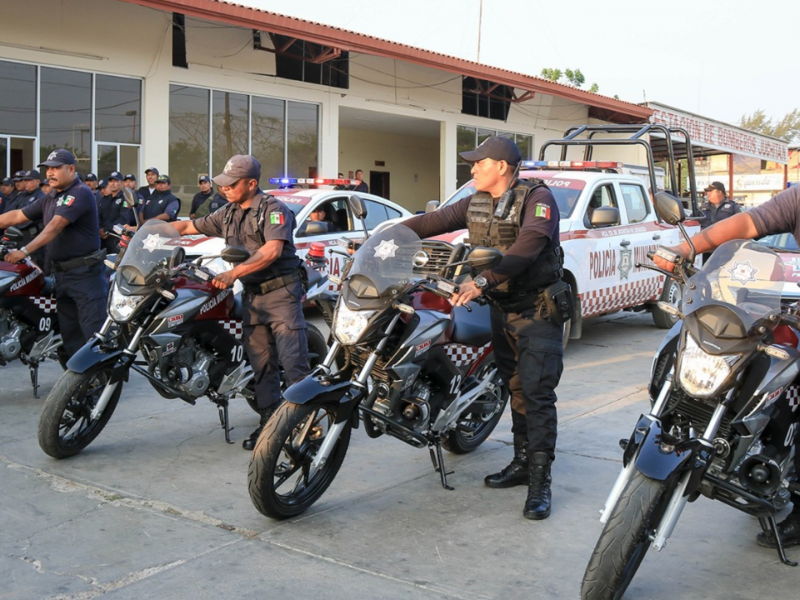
(122, 307)
(349, 325)
(700, 373)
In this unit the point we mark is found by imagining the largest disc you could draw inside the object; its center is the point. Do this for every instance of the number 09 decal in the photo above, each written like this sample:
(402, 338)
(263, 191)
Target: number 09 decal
(45, 323)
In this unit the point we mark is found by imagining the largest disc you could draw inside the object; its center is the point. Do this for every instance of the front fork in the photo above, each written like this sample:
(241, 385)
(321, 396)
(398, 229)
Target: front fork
(129, 352)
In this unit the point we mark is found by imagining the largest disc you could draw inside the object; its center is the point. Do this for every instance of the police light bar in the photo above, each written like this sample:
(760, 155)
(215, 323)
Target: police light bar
(570, 164)
(311, 181)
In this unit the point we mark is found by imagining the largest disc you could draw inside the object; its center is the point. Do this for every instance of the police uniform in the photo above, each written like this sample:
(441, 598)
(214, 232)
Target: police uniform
(205, 204)
(273, 321)
(158, 204)
(112, 211)
(81, 284)
(715, 213)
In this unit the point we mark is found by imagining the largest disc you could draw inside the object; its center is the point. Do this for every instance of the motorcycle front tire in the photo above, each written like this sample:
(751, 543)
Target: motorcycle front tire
(278, 477)
(66, 426)
(625, 539)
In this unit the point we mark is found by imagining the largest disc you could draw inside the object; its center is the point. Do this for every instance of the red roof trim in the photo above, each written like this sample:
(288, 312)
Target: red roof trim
(251, 18)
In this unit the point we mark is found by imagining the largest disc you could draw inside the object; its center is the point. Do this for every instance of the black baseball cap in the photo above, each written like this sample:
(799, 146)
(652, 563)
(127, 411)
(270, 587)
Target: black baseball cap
(32, 174)
(204, 179)
(8, 181)
(151, 169)
(717, 185)
(90, 177)
(19, 175)
(101, 184)
(163, 179)
(241, 166)
(496, 148)
(129, 176)
(58, 158)
(115, 175)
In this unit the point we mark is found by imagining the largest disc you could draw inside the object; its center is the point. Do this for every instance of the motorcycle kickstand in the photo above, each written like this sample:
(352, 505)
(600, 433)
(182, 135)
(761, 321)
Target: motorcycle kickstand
(437, 459)
(224, 421)
(768, 524)
(34, 370)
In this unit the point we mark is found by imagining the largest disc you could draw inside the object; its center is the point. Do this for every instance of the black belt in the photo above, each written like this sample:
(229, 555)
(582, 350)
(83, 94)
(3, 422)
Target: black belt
(82, 261)
(270, 285)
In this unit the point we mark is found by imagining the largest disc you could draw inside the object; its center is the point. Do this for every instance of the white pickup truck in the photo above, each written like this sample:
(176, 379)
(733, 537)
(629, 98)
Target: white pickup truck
(602, 247)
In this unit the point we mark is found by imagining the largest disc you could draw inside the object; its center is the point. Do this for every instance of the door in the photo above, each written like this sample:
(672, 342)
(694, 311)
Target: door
(115, 157)
(16, 154)
(379, 183)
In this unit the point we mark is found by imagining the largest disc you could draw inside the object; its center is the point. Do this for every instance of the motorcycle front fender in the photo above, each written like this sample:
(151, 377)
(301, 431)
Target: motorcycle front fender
(91, 356)
(316, 390)
(651, 459)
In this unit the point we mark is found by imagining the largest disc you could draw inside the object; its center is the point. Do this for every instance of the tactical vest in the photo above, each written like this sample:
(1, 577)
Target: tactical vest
(487, 230)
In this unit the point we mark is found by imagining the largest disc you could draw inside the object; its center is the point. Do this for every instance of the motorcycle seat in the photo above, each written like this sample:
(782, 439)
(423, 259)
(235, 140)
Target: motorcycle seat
(49, 286)
(237, 307)
(471, 328)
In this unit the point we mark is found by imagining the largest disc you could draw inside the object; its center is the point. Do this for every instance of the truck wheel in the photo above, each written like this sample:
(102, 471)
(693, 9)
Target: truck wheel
(672, 294)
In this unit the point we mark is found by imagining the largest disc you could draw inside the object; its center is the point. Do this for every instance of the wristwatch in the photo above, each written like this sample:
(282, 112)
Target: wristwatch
(24, 250)
(480, 282)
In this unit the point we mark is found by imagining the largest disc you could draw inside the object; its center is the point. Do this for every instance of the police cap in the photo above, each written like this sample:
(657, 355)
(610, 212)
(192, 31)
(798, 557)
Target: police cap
(497, 148)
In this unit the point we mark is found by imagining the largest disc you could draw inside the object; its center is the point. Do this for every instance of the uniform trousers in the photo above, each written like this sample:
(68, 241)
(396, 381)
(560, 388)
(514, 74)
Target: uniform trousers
(81, 296)
(273, 334)
(529, 355)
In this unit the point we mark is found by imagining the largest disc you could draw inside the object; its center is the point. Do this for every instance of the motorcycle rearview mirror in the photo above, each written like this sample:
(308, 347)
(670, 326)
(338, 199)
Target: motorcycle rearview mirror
(130, 202)
(177, 257)
(482, 258)
(235, 255)
(670, 209)
(13, 234)
(359, 210)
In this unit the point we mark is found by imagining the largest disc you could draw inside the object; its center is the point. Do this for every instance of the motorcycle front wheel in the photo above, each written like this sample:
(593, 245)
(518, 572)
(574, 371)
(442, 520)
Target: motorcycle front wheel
(66, 426)
(476, 424)
(625, 539)
(279, 479)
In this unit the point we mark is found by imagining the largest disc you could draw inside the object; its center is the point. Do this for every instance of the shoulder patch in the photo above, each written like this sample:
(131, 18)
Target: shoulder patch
(276, 218)
(542, 211)
(65, 201)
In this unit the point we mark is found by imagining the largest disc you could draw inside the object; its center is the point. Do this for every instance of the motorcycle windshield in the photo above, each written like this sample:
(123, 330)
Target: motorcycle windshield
(742, 273)
(152, 244)
(384, 265)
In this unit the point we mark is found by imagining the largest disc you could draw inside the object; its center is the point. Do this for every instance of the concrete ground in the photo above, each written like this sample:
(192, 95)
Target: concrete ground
(157, 506)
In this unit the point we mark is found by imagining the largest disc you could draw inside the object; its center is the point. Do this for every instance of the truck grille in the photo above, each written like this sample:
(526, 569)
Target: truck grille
(438, 253)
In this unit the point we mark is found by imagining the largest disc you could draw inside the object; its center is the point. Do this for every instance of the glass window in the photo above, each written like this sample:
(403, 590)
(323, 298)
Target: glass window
(17, 99)
(188, 134)
(376, 214)
(269, 135)
(603, 196)
(66, 114)
(229, 127)
(525, 144)
(635, 205)
(118, 109)
(302, 140)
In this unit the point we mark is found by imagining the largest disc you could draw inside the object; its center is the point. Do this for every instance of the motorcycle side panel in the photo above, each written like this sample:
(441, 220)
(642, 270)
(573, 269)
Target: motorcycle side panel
(430, 326)
(652, 461)
(179, 311)
(31, 279)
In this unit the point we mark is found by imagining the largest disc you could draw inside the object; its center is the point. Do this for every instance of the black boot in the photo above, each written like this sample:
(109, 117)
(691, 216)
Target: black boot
(516, 473)
(537, 506)
(265, 413)
(788, 529)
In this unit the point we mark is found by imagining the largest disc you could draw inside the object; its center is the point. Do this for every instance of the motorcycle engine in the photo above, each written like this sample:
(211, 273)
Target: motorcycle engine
(412, 410)
(187, 370)
(10, 333)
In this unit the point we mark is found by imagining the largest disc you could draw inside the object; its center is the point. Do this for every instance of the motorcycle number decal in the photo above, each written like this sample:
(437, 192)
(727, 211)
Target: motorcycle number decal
(237, 353)
(790, 435)
(44, 324)
(455, 383)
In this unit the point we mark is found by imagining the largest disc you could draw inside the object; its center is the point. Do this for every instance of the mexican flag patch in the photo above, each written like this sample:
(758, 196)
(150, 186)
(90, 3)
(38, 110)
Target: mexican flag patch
(276, 218)
(66, 201)
(543, 211)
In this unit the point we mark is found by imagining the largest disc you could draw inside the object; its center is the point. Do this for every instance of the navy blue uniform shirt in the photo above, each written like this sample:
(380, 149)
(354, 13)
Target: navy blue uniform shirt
(78, 206)
(158, 204)
(279, 222)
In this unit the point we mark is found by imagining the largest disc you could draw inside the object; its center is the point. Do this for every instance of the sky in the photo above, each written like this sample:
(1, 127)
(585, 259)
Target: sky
(718, 59)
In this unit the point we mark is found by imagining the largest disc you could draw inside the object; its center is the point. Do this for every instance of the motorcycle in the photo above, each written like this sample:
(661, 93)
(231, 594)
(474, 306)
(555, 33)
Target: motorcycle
(402, 360)
(28, 318)
(722, 424)
(186, 330)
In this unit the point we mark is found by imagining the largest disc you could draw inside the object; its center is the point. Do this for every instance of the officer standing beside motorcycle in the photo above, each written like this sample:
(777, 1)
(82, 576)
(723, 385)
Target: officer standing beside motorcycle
(781, 214)
(70, 231)
(520, 218)
(273, 321)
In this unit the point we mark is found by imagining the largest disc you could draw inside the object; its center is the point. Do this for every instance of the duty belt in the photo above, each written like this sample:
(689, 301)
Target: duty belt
(270, 285)
(82, 261)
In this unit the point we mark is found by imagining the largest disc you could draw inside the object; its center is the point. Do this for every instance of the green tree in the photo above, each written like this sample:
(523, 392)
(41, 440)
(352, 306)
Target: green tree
(787, 128)
(552, 74)
(571, 77)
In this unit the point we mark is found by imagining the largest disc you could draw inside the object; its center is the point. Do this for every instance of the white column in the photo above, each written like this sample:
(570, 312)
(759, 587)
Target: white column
(447, 159)
(329, 138)
(155, 117)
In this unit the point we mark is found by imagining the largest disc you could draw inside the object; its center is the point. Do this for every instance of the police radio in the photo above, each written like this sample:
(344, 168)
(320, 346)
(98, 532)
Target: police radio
(507, 199)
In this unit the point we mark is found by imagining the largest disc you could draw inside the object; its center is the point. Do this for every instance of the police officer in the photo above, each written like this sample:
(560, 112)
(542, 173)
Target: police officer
(6, 187)
(31, 192)
(520, 218)
(274, 326)
(148, 190)
(781, 214)
(70, 233)
(163, 204)
(19, 189)
(111, 211)
(206, 201)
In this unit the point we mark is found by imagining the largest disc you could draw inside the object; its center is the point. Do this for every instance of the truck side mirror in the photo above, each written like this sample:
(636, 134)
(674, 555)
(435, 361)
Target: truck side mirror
(431, 206)
(604, 216)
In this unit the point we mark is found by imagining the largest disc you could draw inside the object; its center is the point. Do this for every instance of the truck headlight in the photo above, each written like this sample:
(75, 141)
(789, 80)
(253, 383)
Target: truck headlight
(349, 325)
(701, 373)
(122, 307)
